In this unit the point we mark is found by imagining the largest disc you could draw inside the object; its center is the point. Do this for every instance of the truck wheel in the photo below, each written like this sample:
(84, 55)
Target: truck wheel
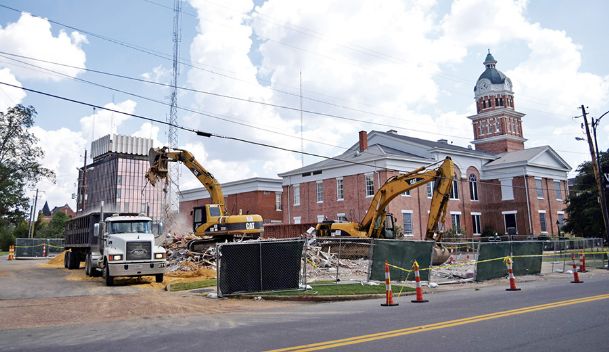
(109, 279)
(73, 260)
(158, 278)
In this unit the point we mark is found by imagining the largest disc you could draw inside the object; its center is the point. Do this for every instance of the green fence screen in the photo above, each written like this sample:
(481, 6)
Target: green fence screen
(492, 269)
(402, 254)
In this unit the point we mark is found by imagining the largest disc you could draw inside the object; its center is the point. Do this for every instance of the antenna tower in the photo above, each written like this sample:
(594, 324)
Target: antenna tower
(172, 133)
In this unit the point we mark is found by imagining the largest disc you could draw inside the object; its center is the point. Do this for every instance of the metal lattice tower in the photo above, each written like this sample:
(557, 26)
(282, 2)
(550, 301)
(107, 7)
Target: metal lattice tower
(172, 133)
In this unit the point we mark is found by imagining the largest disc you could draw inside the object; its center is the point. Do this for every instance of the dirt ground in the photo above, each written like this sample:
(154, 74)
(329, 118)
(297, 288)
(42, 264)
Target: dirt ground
(35, 294)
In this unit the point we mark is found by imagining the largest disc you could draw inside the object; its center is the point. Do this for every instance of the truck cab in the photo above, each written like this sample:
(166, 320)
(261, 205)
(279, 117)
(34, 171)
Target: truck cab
(126, 247)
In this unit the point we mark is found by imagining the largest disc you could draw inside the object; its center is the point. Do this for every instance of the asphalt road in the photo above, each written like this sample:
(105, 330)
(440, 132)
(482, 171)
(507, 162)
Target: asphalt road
(549, 314)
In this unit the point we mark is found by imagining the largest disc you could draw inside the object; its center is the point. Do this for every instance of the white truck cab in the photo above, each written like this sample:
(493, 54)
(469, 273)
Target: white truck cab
(126, 247)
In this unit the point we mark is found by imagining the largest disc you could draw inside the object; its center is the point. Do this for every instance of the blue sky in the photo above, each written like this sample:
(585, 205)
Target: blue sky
(407, 64)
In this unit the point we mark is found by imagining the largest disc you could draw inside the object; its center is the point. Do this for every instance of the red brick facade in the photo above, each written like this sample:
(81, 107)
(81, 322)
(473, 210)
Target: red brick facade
(489, 205)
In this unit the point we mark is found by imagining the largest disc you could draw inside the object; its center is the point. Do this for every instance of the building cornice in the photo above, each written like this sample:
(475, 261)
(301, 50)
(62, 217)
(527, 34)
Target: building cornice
(498, 112)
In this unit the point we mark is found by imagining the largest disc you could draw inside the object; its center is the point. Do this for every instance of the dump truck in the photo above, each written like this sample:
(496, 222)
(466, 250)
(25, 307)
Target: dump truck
(378, 223)
(216, 224)
(113, 245)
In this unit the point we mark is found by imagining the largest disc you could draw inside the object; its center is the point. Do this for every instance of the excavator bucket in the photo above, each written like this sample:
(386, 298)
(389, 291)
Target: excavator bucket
(158, 160)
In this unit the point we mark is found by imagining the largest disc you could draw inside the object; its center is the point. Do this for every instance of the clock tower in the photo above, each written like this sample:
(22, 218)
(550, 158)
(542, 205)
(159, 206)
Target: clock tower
(497, 126)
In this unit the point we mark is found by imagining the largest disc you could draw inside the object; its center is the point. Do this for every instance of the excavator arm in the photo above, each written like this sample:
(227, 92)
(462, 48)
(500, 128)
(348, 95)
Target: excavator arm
(159, 159)
(374, 219)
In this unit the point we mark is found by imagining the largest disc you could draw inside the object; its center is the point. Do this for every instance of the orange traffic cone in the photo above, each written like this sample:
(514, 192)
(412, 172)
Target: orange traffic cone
(582, 263)
(417, 280)
(508, 262)
(11, 252)
(388, 293)
(44, 249)
(576, 279)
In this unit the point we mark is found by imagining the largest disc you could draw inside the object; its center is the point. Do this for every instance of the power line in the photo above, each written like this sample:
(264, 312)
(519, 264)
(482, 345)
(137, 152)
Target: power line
(209, 135)
(169, 58)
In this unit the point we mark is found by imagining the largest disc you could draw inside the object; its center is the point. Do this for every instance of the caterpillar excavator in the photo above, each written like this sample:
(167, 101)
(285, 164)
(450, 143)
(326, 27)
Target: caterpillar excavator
(377, 223)
(217, 225)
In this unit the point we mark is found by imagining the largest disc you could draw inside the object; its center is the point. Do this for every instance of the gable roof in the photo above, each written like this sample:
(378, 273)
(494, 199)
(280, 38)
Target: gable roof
(529, 156)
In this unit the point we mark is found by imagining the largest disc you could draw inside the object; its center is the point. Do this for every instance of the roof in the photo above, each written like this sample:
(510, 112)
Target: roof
(526, 157)
(493, 75)
(435, 145)
(378, 149)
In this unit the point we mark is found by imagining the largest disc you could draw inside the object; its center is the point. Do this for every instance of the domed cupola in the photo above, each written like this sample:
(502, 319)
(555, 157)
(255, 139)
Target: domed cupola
(497, 126)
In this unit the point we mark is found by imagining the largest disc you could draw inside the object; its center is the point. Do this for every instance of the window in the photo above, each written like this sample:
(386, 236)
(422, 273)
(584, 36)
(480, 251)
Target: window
(454, 190)
(509, 218)
(406, 194)
(430, 189)
(296, 195)
(538, 188)
(340, 189)
(476, 226)
(507, 192)
(126, 207)
(369, 185)
(407, 222)
(119, 180)
(320, 218)
(278, 201)
(557, 189)
(456, 222)
(473, 187)
(320, 191)
(561, 219)
(118, 194)
(297, 219)
(542, 221)
(341, 217)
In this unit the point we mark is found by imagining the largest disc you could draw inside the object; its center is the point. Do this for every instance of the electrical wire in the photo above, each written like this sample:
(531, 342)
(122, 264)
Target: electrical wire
(209, 135)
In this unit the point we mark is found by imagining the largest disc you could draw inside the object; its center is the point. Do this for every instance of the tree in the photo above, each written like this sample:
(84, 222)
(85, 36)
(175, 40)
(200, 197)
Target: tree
(585, 218)
(54, 228)
(19, 162)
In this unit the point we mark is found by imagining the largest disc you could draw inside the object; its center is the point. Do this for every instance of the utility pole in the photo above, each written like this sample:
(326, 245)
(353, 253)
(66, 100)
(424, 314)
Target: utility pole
(31, 230)
(597, 176)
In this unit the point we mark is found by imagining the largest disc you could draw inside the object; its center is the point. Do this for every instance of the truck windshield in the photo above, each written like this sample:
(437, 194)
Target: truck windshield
(130, 227)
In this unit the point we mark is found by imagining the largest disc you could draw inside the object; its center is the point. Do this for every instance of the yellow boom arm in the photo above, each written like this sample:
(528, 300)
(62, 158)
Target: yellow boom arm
(375, 216)
(159, 158)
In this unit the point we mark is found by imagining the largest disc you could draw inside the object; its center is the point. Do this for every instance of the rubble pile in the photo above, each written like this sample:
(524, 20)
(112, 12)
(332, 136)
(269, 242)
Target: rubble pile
(182, 262)
(322, 265)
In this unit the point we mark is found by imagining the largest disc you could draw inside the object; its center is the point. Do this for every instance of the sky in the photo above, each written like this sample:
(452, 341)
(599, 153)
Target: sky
(248, 66)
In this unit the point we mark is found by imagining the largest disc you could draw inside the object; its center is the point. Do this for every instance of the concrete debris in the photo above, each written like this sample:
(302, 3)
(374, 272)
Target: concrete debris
(180, 259)
(432, 285)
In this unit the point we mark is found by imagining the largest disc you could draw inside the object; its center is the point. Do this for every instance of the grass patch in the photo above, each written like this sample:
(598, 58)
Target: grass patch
(182, 286)
(3, 253)
(340, 290)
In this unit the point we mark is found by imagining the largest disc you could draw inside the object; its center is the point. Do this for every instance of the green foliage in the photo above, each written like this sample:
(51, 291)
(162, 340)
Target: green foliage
(6, 237)
(57, 224)
(19, 162)
(488, 231)
(585, 218)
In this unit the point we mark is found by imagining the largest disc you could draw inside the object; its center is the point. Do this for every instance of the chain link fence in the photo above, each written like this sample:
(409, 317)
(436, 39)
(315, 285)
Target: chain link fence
(256, 266)
(37, 247)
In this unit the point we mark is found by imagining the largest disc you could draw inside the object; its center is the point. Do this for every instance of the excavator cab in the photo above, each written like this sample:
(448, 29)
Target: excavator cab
(389, 227)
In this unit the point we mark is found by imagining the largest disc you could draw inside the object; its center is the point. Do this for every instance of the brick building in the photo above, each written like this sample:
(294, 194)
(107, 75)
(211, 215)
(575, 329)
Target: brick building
(500, 186)
(256, 195)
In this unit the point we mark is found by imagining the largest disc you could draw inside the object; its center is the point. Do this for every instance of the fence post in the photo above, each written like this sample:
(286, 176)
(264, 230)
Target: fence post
(338, 259)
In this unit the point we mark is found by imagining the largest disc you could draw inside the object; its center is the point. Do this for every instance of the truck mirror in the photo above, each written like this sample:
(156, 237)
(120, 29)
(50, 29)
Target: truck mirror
(160, 230)
(96, 230)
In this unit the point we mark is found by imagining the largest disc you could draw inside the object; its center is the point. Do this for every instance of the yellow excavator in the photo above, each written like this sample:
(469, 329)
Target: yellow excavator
(377, 223)
(217, 225)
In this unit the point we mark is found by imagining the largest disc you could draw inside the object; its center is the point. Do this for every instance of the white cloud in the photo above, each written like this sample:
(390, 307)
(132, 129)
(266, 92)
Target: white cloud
(31, 36)
(64, 153)
(149, 130)
(103, 122)
(9, 96)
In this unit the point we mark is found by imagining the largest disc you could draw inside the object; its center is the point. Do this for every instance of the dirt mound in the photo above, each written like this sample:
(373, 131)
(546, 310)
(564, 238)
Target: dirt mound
(189, 269)
(57, 261)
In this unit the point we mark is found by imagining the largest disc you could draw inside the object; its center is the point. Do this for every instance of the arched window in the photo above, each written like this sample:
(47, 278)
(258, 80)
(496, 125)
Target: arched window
(454, 190)
(473, 187)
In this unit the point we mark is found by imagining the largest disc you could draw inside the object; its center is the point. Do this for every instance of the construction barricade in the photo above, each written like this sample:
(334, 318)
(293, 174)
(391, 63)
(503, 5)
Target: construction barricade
(256, 266)
(527, 256)
(402, 254)
(31, 248)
